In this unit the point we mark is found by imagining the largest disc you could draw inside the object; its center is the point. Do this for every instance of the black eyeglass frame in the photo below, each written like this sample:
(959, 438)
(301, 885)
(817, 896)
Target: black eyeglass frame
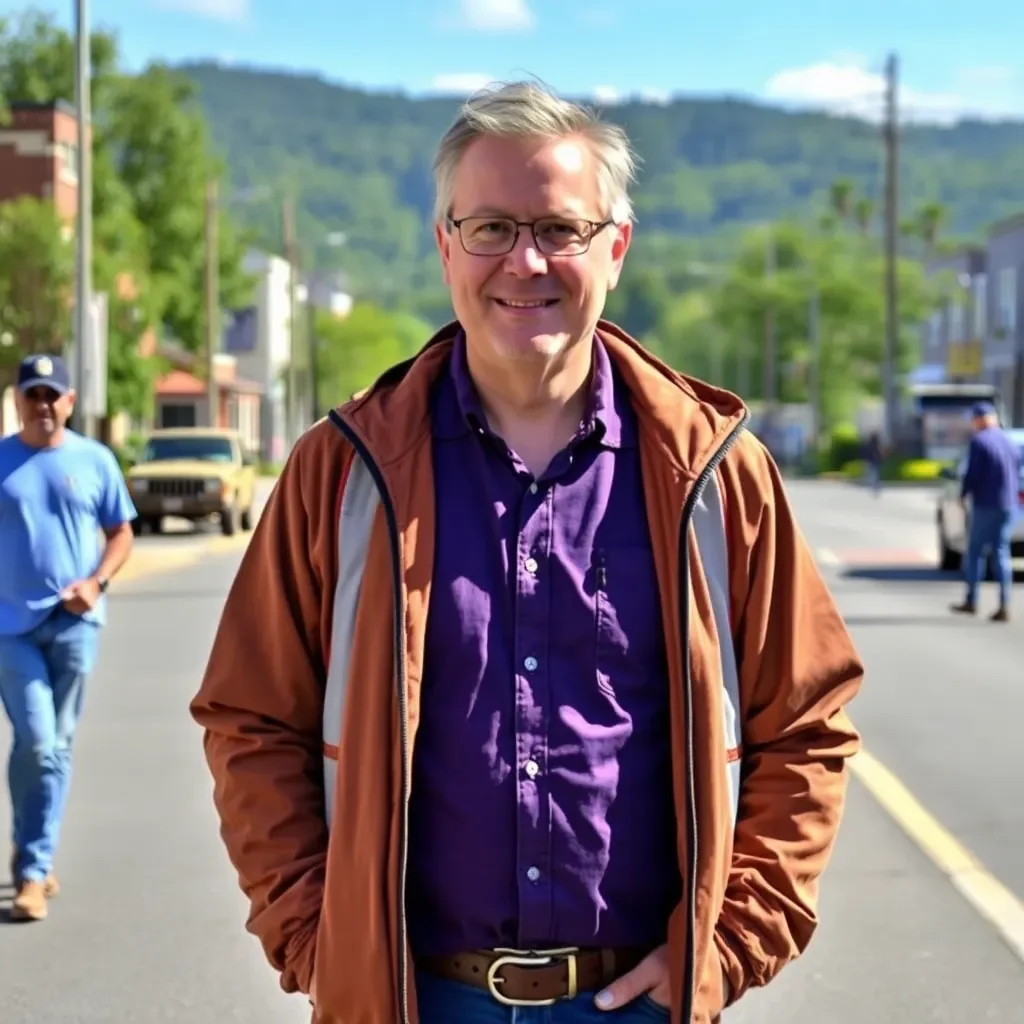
(595, 228)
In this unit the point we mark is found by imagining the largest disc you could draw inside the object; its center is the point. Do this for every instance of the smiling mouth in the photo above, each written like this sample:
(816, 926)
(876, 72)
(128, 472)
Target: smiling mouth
(526, 303)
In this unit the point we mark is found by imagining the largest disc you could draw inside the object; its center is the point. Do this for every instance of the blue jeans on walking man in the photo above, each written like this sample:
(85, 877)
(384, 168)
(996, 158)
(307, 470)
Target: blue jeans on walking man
(42, 682)
(989, 530)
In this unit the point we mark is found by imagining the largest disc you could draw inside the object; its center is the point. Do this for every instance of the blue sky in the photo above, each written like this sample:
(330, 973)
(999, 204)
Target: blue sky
(955, 57)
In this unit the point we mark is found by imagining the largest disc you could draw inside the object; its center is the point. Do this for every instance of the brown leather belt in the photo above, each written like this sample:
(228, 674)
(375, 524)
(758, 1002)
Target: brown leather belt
(519, 977)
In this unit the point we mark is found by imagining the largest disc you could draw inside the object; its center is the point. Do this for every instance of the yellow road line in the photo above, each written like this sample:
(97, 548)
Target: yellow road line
(982, 890)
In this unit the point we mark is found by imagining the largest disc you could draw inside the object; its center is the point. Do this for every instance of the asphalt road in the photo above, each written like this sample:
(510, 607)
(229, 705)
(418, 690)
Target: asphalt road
(150, 925)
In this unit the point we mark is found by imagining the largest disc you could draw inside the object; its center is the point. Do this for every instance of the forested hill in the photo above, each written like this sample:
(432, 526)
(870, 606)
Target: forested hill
(359, 162)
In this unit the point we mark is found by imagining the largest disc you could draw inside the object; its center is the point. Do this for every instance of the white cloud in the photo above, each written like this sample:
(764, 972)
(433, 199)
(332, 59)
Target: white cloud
(847, 85)
(461, 83)
(606, 94)
(496, 15)
(215, 10)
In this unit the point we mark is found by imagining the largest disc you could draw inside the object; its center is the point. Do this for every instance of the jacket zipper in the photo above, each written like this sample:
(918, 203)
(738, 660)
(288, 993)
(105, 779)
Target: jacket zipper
(691, 786)
(399, 653)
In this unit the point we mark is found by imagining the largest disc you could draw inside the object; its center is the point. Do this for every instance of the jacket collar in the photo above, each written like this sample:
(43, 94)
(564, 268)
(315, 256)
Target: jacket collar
(686, 419)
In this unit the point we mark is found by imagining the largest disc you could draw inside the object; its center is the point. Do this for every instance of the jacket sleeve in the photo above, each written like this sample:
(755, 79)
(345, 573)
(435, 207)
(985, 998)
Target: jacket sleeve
(798, 671)
(970, 482)
(259, 705)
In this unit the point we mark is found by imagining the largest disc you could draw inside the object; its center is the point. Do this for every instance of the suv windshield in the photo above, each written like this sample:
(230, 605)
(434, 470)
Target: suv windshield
(208, 449)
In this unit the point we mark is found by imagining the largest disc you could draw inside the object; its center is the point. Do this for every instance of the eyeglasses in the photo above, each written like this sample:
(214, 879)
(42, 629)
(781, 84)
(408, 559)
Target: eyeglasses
(553, 236)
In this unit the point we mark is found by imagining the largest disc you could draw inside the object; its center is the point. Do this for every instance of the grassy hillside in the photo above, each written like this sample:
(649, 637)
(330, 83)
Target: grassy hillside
(359, 162)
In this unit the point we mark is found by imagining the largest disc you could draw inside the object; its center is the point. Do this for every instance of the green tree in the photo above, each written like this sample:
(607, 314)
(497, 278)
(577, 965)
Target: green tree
(158, 147)
(729, 318)
(36, 280)
(354, 350)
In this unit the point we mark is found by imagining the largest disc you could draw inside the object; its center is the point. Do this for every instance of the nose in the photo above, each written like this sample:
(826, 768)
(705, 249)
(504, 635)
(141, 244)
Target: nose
(525, 260)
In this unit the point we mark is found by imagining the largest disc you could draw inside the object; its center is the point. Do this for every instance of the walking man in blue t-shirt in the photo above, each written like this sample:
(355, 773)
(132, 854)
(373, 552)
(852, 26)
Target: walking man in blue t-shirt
(58, 492)
(992, 482)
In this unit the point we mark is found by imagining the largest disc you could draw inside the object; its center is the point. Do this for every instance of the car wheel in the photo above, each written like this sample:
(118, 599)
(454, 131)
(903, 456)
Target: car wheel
(949, 560)
(246, 519)
(229, 521)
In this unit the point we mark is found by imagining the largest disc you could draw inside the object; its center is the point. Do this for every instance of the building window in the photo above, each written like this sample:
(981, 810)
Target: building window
(67, 159)
(980, 306)
(177, 414)
(1006, 324)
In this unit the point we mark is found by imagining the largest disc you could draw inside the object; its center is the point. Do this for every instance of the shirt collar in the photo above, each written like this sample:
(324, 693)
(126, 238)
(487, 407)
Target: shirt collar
(608, 414)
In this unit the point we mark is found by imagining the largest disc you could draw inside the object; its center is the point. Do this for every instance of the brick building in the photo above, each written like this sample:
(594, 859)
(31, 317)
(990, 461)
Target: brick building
(38, 153)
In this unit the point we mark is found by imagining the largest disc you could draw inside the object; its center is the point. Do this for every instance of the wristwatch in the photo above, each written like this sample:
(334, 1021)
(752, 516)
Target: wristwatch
(103, 583)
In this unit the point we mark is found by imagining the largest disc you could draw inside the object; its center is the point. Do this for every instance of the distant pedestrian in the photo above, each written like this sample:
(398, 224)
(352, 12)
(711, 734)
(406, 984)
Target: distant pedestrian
(874, 453)
(58, 490)
(991, 483)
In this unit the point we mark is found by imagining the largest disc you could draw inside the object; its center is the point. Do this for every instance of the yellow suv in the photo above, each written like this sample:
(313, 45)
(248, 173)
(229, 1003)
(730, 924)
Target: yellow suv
(195, 473)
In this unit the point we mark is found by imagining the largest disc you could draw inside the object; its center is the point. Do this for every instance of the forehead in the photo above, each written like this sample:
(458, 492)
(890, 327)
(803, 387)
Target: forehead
(527, 177)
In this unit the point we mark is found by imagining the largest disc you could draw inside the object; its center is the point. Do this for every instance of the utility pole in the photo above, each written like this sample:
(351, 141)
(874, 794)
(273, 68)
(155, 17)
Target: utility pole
(212, 300)
(814, 344)
(314, 355)
(769, 374)
(891, 139)
(83, 241)
(292, 396)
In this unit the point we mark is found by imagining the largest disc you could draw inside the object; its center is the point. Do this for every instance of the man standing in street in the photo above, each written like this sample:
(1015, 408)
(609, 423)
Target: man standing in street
(528, 702)
(58, 492)
(992, 483)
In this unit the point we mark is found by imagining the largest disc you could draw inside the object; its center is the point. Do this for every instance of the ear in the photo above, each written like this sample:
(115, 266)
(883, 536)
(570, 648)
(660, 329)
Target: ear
(444, 246)
(620, 246)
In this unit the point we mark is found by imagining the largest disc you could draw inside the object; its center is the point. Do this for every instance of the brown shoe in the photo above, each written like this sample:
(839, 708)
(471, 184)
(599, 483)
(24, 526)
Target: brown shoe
(30, 903)
(964, 609)
(1003, 615)
(51, 885)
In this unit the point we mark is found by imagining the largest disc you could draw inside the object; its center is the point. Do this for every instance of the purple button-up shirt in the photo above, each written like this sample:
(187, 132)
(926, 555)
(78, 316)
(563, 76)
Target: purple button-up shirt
(542, 809)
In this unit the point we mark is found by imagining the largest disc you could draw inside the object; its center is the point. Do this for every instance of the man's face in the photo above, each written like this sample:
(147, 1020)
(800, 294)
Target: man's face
(44, 411)
(528, 179)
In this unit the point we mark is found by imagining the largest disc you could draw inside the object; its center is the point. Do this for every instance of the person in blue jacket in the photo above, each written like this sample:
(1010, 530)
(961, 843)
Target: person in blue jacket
(992, 481)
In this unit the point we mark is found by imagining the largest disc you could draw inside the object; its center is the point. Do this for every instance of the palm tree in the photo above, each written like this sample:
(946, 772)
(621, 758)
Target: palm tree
(864, 213)
(931, 218)
(841, 196)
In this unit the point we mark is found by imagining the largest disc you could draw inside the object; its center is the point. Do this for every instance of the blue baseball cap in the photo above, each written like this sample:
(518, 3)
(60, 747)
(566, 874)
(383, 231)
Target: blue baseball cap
(980, 410)
(44, 371)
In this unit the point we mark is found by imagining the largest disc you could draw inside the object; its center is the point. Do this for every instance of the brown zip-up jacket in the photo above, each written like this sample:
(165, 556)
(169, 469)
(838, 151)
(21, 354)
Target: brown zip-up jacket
(327, 904)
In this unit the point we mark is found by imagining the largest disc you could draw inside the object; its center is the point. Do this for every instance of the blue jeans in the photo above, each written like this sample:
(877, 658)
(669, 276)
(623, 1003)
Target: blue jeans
(989, 530)
(42, 683)
(449, 1002)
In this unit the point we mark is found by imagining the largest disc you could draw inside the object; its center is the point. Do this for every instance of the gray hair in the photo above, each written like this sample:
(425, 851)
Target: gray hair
(528, 110)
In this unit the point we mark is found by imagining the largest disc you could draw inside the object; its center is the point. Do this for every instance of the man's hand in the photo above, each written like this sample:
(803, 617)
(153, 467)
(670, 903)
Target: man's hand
(649, 977)
(81, 597)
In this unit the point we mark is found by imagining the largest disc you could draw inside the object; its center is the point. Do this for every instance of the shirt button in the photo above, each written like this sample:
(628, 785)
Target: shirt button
(530, 565)
(532, 768)
(533, 874)
(530, 664)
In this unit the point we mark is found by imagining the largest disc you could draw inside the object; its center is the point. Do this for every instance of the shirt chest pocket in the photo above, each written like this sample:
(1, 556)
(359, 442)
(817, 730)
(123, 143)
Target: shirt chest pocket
(78, 495)
(629, 637)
